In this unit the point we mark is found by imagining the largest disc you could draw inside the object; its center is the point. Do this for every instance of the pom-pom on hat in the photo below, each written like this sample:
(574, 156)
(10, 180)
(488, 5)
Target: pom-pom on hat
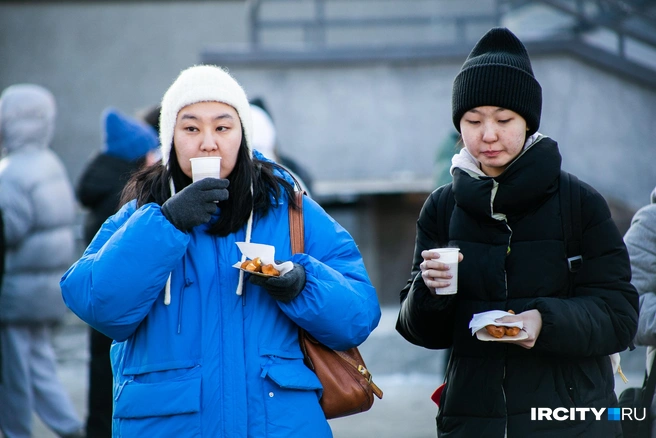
(125, 137)
(498, 72)
(201, 83)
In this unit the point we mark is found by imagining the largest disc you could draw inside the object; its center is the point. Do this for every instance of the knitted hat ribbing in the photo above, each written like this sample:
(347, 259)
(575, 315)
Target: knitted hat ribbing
(125, 137)
(498, 72)
(201, 83)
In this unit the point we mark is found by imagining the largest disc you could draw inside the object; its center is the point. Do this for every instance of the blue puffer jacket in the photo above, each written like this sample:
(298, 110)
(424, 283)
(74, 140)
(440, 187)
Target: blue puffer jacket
(212, 363)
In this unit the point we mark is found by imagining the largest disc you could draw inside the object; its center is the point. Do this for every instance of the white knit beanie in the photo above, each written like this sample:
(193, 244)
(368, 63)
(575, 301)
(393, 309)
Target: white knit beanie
(201, 83)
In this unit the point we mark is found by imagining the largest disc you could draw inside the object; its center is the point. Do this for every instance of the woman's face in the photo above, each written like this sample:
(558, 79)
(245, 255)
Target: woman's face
(207, 129)
(494, 136)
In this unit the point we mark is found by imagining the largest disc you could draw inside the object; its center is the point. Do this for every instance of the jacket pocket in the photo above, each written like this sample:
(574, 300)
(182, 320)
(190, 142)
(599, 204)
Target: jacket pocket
(590, 381)
(138, 400)
(291, 374)
(291, 398)
(168, 407)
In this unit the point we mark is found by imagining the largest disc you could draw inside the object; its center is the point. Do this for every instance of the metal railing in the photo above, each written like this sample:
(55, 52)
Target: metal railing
(626, 19)
(618, 35)
(315, 26)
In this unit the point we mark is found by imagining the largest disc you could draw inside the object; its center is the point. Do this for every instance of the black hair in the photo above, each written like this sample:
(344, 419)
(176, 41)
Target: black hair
(151, 184)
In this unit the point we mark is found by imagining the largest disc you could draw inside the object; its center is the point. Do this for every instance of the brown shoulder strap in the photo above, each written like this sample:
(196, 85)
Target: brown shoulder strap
(296, 226)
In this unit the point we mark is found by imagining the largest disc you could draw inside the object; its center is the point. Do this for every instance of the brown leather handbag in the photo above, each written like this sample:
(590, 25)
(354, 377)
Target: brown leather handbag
(348, 387)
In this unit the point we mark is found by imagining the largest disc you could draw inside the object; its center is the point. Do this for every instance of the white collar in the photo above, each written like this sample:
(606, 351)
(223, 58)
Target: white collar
(465, 161)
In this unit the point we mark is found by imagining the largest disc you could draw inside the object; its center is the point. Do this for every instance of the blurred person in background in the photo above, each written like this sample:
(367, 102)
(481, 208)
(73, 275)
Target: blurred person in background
(2, 253)
(202, 348)
(127, 145)
(640, 240)
(442, 167)
(265, 141)
(506, 220)
(38, 204)
(2, 272)
(151, 115)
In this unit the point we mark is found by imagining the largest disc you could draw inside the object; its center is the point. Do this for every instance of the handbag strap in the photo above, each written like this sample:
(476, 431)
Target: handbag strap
(296, 225)
(297, 236)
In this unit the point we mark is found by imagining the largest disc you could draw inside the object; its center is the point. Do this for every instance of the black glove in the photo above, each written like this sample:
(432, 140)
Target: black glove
(284, 288)
(195, 204)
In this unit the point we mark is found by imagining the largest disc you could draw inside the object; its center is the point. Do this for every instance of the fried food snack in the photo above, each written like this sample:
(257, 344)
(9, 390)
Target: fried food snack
(256, 265)
(270, 270)
(512, 331)
(495, 330)
(501, 331)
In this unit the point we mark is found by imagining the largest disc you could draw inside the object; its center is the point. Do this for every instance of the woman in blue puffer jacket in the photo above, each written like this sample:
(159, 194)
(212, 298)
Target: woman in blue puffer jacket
(199, 351)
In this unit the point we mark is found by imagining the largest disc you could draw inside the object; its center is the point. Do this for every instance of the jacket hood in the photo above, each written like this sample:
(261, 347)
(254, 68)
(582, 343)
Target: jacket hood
(27, 117)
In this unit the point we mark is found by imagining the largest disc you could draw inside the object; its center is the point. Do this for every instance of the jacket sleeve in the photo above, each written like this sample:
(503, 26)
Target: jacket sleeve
(123, 270)
(91, 189)
(425, 319)
(640, 241)
(601, 316)
(338, 305)
(19, 214)
(2, 249)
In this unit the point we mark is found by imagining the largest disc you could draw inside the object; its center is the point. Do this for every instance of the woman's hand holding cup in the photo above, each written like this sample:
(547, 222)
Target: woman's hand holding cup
(439, 270)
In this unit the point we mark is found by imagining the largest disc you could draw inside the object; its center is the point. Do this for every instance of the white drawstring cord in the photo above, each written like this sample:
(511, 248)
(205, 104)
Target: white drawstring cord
(249, 228)
(167, 291)
(167, 288)
(240, 286)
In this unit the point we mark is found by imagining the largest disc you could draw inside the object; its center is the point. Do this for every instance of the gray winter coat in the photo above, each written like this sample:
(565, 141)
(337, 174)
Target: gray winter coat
(38, 206)
(641, 242)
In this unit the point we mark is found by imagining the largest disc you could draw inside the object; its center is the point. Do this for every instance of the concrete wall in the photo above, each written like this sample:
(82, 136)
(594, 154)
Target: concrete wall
(96, 54)
(354, 124)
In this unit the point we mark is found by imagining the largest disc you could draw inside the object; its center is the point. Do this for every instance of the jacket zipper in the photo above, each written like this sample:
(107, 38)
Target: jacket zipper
(505, 278)
(186, 283)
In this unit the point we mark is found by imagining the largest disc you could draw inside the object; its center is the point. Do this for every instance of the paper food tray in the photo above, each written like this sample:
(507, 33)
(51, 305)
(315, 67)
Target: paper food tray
(266, 253)
(480, 320)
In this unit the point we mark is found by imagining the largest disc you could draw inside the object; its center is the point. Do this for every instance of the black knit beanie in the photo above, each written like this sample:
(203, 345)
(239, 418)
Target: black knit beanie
(498, 72)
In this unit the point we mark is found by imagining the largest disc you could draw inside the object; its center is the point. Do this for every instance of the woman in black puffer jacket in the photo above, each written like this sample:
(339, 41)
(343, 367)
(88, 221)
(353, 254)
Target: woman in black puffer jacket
(507, 224)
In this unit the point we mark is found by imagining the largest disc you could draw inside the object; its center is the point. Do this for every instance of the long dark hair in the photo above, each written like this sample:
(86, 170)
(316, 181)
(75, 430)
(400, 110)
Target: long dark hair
(151, 184)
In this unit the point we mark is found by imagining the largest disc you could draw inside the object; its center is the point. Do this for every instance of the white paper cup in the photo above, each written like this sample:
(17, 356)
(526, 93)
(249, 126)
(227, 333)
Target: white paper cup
(449, 256)
(205, 167)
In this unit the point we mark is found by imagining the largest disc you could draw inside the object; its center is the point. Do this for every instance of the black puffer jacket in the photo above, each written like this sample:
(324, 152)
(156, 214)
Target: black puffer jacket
(99, 189)
(520, 264)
